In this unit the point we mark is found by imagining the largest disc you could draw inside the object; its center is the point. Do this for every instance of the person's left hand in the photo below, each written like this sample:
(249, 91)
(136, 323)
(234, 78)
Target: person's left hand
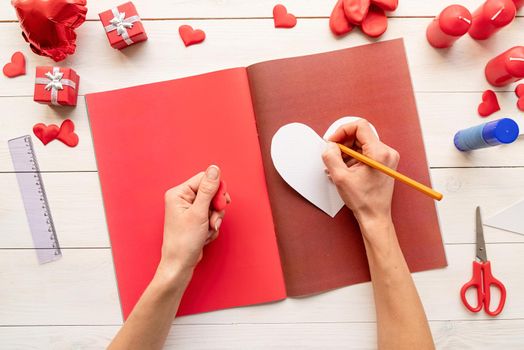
(190, 221)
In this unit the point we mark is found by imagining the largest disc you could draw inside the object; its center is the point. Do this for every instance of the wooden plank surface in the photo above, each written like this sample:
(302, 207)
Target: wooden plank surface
(252, 40)
(81, 223)
(239, 9)
(80, 289)
(448, 335)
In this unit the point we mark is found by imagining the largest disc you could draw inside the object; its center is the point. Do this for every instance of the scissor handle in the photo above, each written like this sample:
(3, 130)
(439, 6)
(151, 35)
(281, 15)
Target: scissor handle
(489, 281)
(475, 282)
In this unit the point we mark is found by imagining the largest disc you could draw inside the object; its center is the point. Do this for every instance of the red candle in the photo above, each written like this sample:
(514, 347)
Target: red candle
(506, 68)
(491, 17)
(518, 3)
(452, 23)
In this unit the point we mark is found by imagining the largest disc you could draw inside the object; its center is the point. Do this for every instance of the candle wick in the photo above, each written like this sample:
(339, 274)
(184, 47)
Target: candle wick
(497, 14)
(521, 59)
(468, 21)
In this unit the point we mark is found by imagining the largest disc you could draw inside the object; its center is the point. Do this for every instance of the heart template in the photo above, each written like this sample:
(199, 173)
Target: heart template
(67, 133)
(46, 133)
(296, 151)
(16, 67)
(191, 36)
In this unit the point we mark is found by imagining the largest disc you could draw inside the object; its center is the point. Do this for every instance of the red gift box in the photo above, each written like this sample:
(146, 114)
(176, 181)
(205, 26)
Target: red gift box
(56, 86)
(123, 26)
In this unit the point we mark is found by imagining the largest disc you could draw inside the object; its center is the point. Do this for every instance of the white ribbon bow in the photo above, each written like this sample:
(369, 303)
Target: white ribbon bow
(120, 23)
(54, 82)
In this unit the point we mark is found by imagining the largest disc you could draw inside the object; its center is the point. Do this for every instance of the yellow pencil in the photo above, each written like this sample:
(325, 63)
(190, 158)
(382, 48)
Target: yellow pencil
(393, 173)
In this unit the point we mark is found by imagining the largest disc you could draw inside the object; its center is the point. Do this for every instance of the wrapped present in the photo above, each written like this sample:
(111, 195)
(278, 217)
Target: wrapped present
(56, 86)
(123, 26)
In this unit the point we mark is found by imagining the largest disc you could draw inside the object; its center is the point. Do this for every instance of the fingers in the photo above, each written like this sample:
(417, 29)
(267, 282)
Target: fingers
(186, 191)
(215, 220)
(207, 188)
(333, 161)
(358, 132)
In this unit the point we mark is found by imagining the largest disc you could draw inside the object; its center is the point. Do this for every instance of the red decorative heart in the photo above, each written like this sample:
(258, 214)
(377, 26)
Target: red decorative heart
(338, 22)
(191, 36)
(16, 67)
(386, 5)
(282, 18)
(489, 104)
(67, 133)
(375, 23)
(46, 133)
(219, 201)
(356, 10)
(519, 91)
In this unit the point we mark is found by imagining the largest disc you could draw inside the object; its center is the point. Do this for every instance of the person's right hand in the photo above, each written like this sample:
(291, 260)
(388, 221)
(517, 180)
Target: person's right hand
(366, 191)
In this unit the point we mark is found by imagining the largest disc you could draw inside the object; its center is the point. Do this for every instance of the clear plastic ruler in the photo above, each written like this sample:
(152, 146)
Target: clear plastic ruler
(35, 199)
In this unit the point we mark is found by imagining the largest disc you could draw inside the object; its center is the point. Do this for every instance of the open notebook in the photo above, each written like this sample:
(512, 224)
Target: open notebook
(273, 243)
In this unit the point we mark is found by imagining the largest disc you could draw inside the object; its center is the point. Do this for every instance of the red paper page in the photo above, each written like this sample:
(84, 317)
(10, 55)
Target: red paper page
(372, 81)
(152, 137)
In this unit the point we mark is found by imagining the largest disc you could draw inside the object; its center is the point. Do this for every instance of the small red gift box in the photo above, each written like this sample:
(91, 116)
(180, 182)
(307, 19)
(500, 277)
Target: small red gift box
(56, 86)
(123, 26)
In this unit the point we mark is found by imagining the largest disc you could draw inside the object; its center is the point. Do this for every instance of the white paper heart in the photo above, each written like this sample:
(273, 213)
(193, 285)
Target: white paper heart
(296, 151)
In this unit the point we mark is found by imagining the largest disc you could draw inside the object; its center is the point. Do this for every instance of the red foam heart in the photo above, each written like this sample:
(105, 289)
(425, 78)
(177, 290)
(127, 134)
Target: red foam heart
(282, 18)
(356, 10)
(46, 133)
(338, 22)
(16, 67)
(375, 23)
(386, 5)
(191, 36)
(489, 104)
(219, 201)
(67, 133)
(519, 91)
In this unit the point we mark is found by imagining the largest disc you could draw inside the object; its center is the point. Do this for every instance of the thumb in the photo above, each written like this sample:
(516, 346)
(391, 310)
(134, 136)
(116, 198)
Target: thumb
(207, 188)
(333, 159)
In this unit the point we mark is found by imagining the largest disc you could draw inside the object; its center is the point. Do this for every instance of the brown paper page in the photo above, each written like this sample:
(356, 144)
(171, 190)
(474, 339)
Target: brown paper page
(373, 81)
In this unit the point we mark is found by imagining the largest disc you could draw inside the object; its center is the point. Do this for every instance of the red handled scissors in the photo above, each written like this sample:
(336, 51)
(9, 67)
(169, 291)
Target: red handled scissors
(482, 278)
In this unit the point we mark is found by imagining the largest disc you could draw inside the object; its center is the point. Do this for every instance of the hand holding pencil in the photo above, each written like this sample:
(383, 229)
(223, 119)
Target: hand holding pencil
(359, 175)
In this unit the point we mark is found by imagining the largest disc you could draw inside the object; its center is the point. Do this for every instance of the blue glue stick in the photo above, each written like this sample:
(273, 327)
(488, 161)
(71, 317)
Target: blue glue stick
(490, 134)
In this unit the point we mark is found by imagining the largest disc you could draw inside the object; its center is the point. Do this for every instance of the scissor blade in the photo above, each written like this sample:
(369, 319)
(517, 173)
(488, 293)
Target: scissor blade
(481, 245)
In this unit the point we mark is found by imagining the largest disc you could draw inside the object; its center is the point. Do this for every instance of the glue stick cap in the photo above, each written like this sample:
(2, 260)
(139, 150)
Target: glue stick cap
(504, 130)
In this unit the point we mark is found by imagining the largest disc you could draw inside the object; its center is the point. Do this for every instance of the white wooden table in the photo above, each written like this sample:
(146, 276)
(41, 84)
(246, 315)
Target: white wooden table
(73, 303)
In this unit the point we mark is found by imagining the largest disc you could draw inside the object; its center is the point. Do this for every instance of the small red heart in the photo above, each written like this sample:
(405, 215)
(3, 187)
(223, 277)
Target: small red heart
(16, 67)
(356, 10)
(191, 36)
(282, 18)
(219, 201)
(386, 5)
(519, 91)
(338, 22)
(67, 133)
(489, 104)
(46, 133)
(375, 23)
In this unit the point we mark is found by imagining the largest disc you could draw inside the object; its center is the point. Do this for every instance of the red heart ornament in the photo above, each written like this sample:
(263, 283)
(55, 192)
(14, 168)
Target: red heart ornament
(46, 133)
(386, 5)
(338, 23)
(489, 104)
(375, 23)
(16, 67)
(67, 133)
(282, 18)
(219, 201)
(519, 91)
(356, 10)
(191, 36)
